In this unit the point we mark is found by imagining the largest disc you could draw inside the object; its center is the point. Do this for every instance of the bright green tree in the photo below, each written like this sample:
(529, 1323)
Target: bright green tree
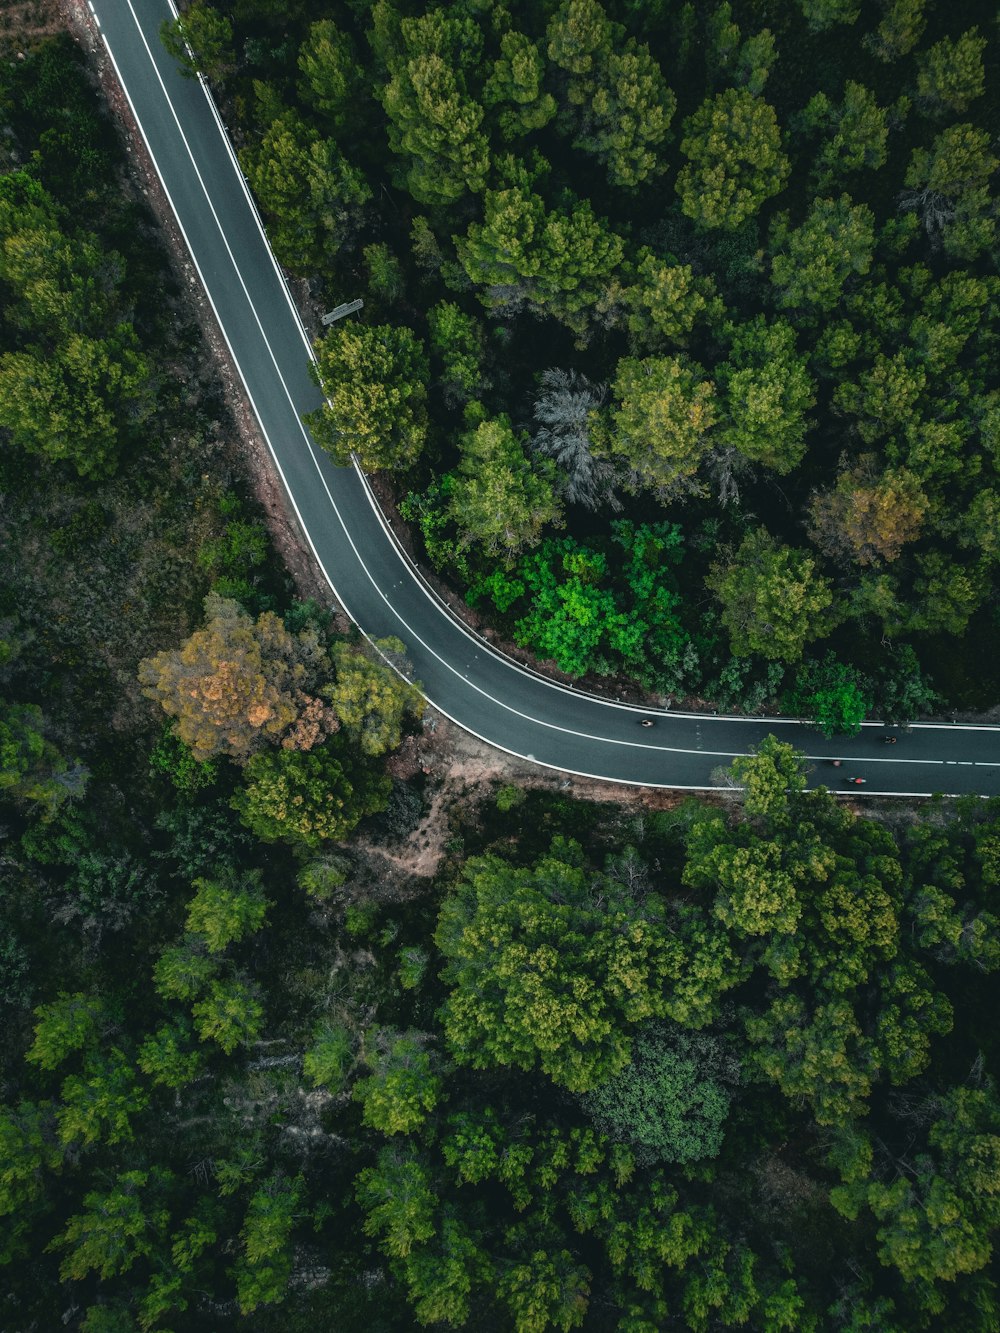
(72, 1022)
(374, 378)
(500, 499)
(814, 262)
(78, 403)
(515, 88)
(330, 70)
(764, 393)
(734, 160)
(628, 118)
(832, 694)
(264, 1266)
(306, 798)
(772, 600)
(229, 1014)
(372, 701)
(200, 40)
(662, 420)
(314, 198)
(403, 1088)
(225, 910)
(546, 969)
(456, 340)
(950, 74)
(434, 124)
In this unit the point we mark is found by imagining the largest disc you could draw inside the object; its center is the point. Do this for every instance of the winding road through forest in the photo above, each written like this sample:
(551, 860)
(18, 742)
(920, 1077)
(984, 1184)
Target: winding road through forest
(462, 676)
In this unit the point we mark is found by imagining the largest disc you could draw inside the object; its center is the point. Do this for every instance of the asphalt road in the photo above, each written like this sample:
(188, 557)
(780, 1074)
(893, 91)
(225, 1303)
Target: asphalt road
(460, 675)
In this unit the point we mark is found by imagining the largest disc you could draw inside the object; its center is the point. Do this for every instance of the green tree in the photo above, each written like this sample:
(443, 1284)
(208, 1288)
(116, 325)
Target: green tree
(78, 403)
(666, 301)
(329, 65)
(945, 595)
(224, 911)
(884, 398)
(374, 379)
(457, 342)
(669, 1103)
(544, 973)
(98, 1105)
(734, 160)
(402, 1088)
(833, 695)
(315, 200)
(264, 1266)
(372, 701)
(200, 40)
(434, 123)
(397, 1196)
(167, 1055)
(772, 601)
(764, 392)
(901, 28)
(72, 1022)
(662, 420)
(628, 118)
(546, 1289)
(950, 74)
(855, 134)
(306, 798)
(579, 42)
(31, 768)
(515, 88)
(823, 14)
(329, 1058)
(948, 188)
(229, 1014)
(58, 283)
(500, 500)
(815, 261)
(116, 1228)
(184, 970)
(28, 1149)
(556, 263)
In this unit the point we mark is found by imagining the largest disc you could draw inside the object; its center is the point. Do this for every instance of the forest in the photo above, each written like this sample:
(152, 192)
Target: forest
(679, 343)
(677, 350)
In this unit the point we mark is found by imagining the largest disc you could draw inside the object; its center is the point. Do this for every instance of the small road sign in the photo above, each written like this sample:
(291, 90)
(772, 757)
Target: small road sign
(348, 308)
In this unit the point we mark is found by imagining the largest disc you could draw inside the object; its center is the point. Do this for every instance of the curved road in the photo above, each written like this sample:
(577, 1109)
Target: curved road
(460, 675)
